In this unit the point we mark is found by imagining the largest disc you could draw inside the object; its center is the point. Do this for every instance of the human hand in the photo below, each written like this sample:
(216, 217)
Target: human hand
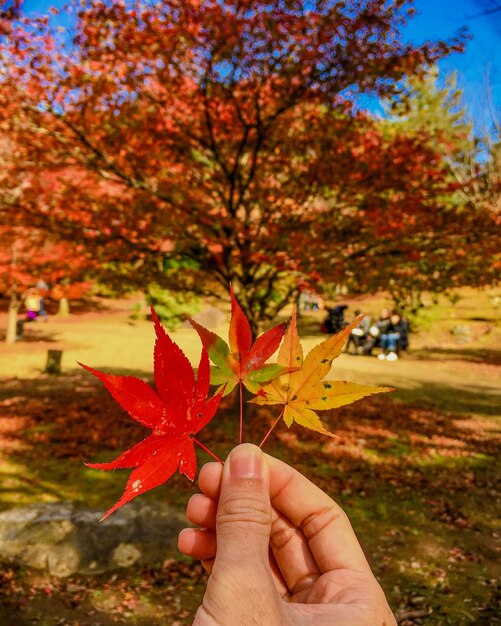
(286, 553)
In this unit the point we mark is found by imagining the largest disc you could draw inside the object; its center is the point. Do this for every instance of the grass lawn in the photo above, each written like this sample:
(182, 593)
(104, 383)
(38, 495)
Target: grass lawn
(417, 471)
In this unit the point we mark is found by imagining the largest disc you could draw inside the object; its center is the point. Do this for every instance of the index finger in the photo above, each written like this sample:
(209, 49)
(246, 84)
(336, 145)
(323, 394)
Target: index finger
(325, 525)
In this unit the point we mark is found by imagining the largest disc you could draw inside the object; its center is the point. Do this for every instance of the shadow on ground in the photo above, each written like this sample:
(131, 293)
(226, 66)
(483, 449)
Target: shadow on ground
(466, 399)
(474, 355)
(420, 484)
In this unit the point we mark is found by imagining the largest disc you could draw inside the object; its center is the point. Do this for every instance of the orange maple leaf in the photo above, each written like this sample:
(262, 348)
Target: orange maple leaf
(303, 392)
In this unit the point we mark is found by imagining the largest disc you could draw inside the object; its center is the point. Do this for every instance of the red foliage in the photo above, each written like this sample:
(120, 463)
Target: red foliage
(223, 135)
(27, 256)
(175, 413)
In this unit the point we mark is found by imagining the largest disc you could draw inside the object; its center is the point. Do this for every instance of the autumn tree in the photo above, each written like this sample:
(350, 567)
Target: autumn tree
(29, 253)
(26, 257)
(218, 138)
(9, 12)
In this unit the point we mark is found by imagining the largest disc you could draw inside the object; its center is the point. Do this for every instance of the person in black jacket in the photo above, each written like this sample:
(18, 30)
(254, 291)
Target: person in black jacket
(334, 322)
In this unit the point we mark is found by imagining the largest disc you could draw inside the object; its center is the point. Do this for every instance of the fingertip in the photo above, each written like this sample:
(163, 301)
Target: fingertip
(201, 510)
(247, 461)
(183, 540)
(197, 543)
(209, 479)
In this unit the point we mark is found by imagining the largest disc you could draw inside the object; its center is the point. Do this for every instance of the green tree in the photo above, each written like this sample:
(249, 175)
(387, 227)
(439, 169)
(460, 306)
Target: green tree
(458, 244)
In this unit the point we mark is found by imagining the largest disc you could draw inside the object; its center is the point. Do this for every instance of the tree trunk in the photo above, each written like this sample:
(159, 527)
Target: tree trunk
(53, 362)
(12, 319)
(64, 307)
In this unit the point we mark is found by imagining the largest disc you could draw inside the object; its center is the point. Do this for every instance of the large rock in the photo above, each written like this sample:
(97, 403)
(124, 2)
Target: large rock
(66, 540)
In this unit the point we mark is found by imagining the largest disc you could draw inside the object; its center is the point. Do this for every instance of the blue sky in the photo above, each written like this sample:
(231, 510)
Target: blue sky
(478, 68)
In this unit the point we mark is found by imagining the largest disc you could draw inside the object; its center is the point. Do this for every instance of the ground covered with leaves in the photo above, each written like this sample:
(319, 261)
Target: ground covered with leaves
(418, 474)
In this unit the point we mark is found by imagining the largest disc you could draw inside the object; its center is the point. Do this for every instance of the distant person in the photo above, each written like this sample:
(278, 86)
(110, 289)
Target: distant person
(311, 301)
(394, 339)
(32, 304)
(376, 331)
(43, 289)
(358, 335)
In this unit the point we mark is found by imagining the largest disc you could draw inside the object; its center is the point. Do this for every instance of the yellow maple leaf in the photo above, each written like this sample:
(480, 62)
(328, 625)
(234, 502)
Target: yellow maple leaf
(303, 391)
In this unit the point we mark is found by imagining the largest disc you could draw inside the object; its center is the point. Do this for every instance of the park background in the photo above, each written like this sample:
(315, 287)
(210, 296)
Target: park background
(155, 153)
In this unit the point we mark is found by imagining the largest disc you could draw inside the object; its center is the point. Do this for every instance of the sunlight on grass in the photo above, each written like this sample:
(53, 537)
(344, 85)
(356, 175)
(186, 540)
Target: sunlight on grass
(416, 471)
(54, 480)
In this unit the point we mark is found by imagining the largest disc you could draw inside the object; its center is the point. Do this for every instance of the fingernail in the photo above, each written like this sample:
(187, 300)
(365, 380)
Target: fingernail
(246, 461)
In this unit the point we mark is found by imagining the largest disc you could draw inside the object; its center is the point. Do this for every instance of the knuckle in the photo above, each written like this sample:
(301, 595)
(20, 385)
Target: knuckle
(281, 537)
(315, 523)
(244, 510)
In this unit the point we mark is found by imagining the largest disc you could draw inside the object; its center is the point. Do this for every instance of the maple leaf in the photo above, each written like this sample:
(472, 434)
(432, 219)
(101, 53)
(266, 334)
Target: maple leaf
(302, 392)
(175, 412)
(242, 361)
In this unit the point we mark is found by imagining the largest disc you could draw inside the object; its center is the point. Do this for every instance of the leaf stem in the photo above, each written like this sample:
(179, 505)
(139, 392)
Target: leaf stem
(207, 450)
(241, 413)
(272, 427)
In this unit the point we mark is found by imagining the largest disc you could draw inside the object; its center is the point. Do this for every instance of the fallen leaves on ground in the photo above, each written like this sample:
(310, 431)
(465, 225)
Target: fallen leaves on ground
(388, 454)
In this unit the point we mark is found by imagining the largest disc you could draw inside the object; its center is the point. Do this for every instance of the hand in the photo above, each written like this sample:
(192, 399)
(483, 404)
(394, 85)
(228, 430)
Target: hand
(286, 553)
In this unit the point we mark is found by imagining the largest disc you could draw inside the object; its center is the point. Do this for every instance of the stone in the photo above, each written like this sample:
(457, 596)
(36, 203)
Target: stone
(66, 540)
(125, 555)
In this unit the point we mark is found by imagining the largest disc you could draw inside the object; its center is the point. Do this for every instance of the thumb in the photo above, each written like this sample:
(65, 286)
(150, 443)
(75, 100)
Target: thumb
(240, 589)
(243, 522)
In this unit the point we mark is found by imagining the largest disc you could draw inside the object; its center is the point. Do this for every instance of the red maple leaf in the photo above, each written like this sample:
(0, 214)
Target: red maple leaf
(177, 411)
